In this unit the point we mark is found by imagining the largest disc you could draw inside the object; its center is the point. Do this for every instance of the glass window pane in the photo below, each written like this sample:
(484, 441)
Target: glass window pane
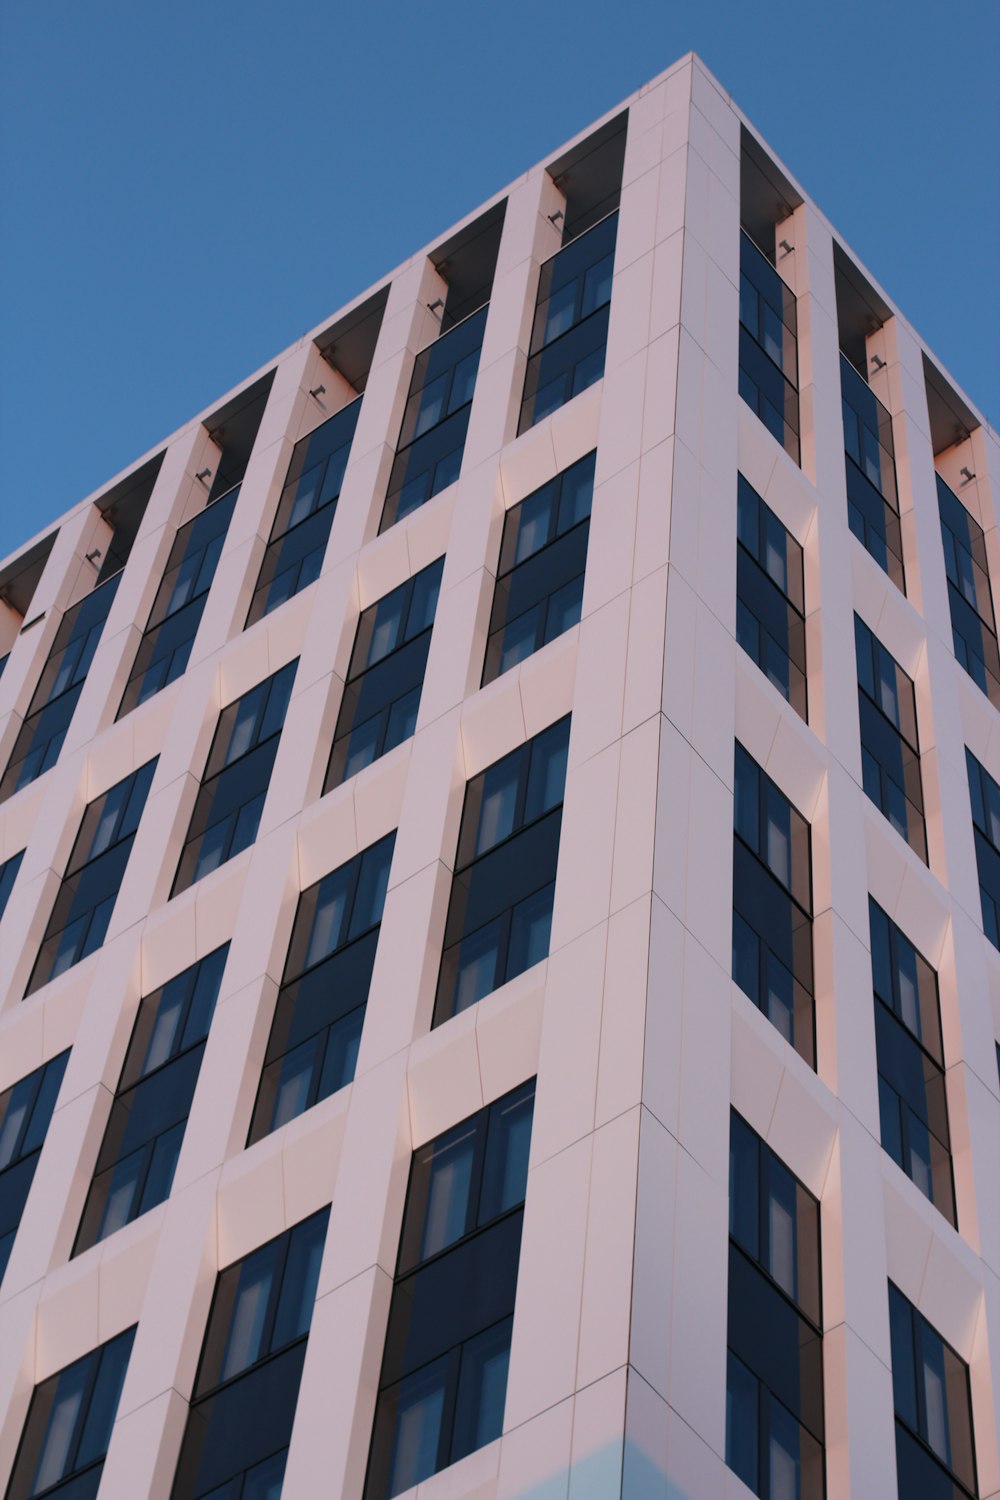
(104, 1401)
(783, 1440)
(55, 1459)
(505, 1170)
(547, 772)
(477, 966)
(419, 1415)
(329, 919)
(449, 1182)
(741, 1422)
(531, 923)
(482, 1390)
(301, 1277)
(904, 1378)
(534, 522)
(781, 1210)
(744, 1186)
(496, 813)
(244, 1345)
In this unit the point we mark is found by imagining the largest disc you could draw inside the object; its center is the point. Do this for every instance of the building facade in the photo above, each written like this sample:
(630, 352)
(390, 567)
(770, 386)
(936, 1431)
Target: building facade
(500, 852)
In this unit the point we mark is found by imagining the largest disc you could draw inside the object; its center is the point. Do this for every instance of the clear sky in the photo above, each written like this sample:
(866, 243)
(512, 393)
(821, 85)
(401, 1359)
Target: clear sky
(189, 185)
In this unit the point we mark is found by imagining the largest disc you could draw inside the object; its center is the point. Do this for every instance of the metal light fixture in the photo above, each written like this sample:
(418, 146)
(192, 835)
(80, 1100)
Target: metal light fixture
(203, 474)
(433, 307)
(317, 391)
(94, 556)
(785, 248)
(877, 362)
(554, 218)
(969, 473)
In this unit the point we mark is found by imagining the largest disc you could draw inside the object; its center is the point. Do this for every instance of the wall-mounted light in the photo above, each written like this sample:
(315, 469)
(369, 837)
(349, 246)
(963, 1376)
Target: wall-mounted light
(432, 307)
(554, 218)
(969, 474)
(317, 391)
(877, 362)
(95, 556)
(785, 248)
(203, 474)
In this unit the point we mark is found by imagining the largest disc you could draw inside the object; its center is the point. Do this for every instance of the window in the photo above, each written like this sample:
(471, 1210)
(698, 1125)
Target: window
(25, 1111)
(142, 1141)
(500, 910)
(984, 795)
(570, 331)
(774, 1384)
(236, 1441)
(41, 735)
(770, 592)
(382, 694)
(180, 601)
(890, 751)
(301, 529)
(444, 1370)
(930, 1389)
(912, 1100)
(227, 813)
(769, 375)
(872, 496)
(772, 906)
(543, 557)
(973, 623)
(66, 1437)
(93, 876)
(435, 419)
(8, 875)
(313, 1046)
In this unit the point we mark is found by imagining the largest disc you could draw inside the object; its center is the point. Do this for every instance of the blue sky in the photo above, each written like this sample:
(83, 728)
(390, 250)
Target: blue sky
(188, 185)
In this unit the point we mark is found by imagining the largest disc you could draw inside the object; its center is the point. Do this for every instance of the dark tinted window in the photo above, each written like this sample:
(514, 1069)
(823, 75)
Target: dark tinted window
(41, 735)
(93, 876)
(142, 1141)
(301, 529)
(313, 1046)
(25, 1111)
(8, 874)
(180, 601)
(930, 1387)
(770, 590)
(890, 752)
(768, 378)
(227, 813)
(543, 557)
(772, 905)
(382, 694)
(500, 910)
(570, 330)
(973, 623)
(872, 497)
(912, 1098)
(444, 1371)
(243, 1407)
(66, 1436)
(984, 794)
(774, 1392)
(435, 419)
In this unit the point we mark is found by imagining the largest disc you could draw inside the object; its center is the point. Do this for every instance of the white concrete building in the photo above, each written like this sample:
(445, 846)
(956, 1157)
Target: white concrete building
(668, 1261)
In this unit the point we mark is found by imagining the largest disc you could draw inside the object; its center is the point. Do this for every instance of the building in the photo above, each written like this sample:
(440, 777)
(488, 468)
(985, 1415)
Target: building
(543, 1040)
